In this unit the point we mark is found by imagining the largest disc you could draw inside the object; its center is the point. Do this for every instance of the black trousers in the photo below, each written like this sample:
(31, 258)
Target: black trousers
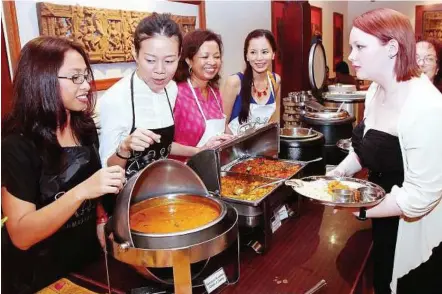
(384, 232)
(426, 278)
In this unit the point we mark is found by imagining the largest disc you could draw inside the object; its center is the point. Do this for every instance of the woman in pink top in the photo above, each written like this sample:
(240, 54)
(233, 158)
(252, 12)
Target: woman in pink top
(198, 112)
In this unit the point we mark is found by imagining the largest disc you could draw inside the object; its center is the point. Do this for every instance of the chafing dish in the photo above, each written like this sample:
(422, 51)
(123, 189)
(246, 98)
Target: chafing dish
(212, 164)
(168, 181)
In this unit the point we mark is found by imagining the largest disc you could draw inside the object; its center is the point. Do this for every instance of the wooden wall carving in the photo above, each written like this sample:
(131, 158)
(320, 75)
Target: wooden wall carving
(106, 34)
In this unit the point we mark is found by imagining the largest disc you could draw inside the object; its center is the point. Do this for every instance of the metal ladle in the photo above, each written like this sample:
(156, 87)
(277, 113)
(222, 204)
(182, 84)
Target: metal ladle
(239, 191)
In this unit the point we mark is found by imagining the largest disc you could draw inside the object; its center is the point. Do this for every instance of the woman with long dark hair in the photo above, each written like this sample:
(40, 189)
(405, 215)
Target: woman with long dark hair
(51, 172)
(253, 96)
(136, 114)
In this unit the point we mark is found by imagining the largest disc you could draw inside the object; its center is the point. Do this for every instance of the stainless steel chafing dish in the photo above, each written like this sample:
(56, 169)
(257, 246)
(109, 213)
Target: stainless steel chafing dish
(167, 181)
(213, 164)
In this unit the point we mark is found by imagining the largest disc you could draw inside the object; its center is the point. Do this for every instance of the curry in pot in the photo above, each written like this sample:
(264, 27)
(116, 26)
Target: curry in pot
(172, 216)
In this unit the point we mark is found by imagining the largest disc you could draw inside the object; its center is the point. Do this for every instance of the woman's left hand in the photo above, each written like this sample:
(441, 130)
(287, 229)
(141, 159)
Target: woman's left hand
(100, 234)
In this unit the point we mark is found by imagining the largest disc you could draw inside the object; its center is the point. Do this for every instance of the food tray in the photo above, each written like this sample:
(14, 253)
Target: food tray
(249, 178)
(297, 133)
(273, 163)
(315, 188)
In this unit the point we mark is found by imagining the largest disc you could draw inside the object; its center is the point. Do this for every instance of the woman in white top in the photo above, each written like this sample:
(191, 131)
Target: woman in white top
(136, 117)
(253, 96)
(398, 142)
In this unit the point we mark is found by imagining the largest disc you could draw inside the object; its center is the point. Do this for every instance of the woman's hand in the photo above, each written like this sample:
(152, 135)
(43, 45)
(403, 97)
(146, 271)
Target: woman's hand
(139, 140)
(217, 140)
(106, 180)
(335, 173)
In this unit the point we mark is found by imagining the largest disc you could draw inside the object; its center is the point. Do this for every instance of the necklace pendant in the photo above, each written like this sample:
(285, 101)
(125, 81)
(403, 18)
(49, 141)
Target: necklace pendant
(259, 94)
(264, 92)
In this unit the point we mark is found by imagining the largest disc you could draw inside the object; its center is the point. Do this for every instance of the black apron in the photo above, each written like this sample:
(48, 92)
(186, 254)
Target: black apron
(75, 243)
(141, 159)
(381, 153)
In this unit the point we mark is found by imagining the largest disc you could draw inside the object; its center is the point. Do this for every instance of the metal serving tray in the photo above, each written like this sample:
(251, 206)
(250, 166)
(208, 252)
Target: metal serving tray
(371, 194)
(249, 178)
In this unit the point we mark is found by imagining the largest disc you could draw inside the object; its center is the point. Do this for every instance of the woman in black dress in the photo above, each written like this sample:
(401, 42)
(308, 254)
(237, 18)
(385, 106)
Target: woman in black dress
(397, 142)
(51, 172)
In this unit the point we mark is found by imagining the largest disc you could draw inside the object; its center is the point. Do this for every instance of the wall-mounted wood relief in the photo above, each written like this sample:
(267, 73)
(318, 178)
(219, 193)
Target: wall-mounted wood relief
(106, 34)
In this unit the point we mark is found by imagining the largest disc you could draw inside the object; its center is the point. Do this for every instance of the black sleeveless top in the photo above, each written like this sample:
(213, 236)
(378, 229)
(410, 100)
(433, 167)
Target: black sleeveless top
(75, 243)
(380, 152)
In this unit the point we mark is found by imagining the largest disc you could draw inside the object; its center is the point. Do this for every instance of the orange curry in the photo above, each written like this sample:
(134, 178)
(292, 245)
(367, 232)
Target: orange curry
(172, 217)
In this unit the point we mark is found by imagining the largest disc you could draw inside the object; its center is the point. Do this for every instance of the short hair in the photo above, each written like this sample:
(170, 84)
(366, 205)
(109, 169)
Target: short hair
(157, 24)
(342, 67)
(437, 45)
(191, 44)
(387, 24)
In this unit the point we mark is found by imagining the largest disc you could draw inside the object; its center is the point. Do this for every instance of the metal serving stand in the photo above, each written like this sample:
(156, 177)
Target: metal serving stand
(211, 165)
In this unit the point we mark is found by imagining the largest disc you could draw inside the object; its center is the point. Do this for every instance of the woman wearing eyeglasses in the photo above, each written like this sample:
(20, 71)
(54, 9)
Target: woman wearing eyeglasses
(429, 59)
(136, 117)
(51, 172)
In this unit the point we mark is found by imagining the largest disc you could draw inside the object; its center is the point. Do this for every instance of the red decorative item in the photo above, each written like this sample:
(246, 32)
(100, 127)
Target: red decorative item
(260, 93)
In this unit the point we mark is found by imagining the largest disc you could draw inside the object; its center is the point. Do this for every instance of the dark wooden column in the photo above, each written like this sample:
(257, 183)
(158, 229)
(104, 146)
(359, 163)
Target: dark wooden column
(296, 38)
(291, 27)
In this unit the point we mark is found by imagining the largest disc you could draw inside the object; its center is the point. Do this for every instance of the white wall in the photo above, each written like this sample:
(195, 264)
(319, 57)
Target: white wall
(328, 7)
(28, 23)
(233, 20)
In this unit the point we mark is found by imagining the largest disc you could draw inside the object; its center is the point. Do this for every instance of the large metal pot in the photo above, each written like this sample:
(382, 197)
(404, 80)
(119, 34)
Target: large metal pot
(168, 180)
(334, 126)
(354, 103)
(303, 144)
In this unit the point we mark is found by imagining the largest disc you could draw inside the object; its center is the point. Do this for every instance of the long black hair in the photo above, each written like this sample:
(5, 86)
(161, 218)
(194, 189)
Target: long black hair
(38, 110)
(246, 83)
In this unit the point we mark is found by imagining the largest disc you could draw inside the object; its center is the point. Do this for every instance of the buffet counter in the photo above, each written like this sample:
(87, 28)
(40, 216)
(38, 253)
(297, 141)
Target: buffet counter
(315, 246)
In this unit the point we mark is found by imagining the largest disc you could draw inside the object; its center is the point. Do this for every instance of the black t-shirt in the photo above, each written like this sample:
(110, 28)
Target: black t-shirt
(75, 243)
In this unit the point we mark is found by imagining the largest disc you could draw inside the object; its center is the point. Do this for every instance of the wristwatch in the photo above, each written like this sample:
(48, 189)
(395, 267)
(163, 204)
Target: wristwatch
(117, 152)
(362, 214)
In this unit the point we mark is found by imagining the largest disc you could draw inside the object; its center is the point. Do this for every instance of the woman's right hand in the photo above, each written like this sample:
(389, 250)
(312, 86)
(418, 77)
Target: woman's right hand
(217, 140)
(139, 140)
(104, 181)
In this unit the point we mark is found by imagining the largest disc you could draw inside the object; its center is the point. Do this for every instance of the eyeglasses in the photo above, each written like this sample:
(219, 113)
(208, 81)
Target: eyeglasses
(79, 78)
(429, 59)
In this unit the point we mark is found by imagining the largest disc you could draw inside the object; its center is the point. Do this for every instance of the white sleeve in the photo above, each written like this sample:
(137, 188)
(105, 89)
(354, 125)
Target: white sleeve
(350, 165)
(422, 144)
(114, 123)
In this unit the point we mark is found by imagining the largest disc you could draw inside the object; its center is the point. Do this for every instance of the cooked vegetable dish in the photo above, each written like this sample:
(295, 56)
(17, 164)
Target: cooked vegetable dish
(266, 168)
(243, 189)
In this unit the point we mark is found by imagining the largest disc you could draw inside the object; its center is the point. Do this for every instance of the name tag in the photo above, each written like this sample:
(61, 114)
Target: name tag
(283, 213)
(215, 280)
(276, 223)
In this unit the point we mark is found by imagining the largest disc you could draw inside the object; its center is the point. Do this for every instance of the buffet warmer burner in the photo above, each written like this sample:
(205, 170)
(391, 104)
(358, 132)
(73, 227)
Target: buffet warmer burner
(211, 165)
(151, 254)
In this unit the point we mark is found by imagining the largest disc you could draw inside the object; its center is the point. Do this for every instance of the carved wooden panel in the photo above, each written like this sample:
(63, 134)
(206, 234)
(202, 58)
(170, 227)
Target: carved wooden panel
(106, 34)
